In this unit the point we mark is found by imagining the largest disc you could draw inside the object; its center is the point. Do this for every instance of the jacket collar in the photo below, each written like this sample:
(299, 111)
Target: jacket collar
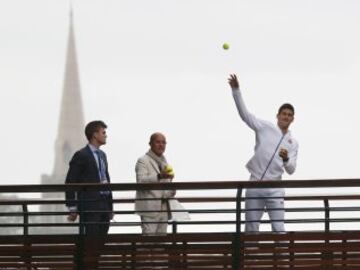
(154, 164)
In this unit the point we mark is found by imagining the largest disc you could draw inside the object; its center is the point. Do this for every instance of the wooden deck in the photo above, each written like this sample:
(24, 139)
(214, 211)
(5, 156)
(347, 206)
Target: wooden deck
(293, 250)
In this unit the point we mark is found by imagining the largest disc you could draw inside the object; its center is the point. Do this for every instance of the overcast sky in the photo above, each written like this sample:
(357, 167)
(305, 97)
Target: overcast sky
(159, 65)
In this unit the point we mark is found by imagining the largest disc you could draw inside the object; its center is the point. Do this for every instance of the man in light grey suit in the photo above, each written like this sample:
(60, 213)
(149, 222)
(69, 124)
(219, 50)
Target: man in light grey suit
(152, 168)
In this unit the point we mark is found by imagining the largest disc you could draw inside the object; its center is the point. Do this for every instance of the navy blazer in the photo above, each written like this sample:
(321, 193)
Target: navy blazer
(83, 169)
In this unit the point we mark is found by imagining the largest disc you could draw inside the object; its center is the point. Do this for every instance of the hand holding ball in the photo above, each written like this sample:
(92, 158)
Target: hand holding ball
(169, 170)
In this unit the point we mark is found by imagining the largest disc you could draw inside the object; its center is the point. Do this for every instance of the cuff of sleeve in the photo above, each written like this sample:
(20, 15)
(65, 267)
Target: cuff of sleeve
(286, 164)
(72, 208)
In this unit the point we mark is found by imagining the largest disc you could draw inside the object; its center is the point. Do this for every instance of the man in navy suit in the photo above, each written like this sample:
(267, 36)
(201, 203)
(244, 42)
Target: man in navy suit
(89, 165)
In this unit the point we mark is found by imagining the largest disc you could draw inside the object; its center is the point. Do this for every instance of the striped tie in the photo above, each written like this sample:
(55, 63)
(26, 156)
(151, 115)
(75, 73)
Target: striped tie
(102, 172)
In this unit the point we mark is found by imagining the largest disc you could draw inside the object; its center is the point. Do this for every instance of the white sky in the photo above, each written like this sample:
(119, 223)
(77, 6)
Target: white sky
(159, 65)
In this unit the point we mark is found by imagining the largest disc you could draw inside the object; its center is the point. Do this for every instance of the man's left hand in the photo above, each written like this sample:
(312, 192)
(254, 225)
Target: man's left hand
(283, 153)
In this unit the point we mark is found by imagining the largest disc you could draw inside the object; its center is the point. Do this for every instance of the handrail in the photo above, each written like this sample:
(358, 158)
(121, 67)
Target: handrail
(236, 209)
(31, 201)
(184, 185)
(326, 214)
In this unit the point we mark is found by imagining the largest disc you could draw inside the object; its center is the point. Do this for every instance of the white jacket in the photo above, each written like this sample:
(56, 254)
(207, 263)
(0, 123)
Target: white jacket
(268, 137)
(146, 172)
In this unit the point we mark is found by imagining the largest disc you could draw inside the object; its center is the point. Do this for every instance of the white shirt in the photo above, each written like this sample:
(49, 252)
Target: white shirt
(266, 164)
(97, 159)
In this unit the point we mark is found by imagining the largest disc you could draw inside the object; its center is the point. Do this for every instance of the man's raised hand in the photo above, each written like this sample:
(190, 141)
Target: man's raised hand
(233, 81)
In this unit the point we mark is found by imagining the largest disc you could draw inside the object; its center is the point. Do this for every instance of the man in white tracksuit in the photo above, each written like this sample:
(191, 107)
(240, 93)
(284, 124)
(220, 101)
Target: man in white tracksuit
(275, 150)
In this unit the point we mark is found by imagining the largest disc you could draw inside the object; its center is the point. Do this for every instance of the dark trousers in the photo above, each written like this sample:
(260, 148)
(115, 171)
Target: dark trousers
(96, 228)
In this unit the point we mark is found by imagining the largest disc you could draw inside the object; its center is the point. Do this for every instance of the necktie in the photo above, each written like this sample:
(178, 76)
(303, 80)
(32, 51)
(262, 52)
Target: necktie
(102, 173)
(101, 165)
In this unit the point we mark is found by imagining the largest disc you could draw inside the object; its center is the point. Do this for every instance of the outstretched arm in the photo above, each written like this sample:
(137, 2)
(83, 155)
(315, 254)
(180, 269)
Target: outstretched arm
(247, 117)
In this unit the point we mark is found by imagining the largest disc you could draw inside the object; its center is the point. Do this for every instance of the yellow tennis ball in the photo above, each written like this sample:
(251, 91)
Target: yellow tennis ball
(226, 46)
(168, 168)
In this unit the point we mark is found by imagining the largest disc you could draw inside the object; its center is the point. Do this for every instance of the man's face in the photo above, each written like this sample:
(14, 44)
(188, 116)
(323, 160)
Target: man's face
(158, 144)
(285, 118)
(100, 136)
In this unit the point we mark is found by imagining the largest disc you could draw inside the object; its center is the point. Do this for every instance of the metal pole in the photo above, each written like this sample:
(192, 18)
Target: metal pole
(327, 215)
(174, 227)
(238, 211)
(327, 254)
(27, 256)
(25, 219)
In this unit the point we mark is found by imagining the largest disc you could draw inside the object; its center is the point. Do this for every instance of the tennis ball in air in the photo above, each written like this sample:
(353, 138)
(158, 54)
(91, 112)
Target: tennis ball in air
(226, 46)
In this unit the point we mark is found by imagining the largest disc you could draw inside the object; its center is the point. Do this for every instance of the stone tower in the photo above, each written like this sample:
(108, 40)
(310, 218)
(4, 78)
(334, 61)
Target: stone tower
(70, 135)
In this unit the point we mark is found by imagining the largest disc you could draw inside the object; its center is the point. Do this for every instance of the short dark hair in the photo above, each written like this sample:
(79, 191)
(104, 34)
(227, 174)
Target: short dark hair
(93, 127)
(286, 106)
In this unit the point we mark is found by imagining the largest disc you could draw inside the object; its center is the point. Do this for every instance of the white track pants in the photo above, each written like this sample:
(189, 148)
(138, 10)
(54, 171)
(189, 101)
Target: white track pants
(255, 208)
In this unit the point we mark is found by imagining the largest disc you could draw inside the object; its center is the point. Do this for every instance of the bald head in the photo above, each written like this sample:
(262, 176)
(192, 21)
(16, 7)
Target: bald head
(155, 136)
(157, 143)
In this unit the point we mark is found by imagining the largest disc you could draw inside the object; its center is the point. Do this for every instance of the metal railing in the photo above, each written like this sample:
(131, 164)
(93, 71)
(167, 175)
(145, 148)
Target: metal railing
(235, 204)
(235, 211)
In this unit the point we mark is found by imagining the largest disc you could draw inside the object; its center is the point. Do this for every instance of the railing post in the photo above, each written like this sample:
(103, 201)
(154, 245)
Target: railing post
(237, 244)
(25, 219)
(327, 254)
(174, 227)
(238, 211)
(327, 215)
(27, 257)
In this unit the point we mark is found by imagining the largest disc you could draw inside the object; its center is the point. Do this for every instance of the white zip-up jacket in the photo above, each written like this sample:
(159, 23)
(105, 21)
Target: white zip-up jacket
(266, 164)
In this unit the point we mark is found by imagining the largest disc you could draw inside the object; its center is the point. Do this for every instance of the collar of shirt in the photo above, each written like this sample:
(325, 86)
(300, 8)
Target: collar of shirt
(93, 150)
(288, 132)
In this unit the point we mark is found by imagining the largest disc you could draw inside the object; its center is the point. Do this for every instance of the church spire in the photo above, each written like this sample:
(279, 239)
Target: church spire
(70, 136)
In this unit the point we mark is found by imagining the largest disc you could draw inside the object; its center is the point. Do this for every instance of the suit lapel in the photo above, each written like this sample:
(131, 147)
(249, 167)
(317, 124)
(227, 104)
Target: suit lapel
(92, 159)
(154, 164)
